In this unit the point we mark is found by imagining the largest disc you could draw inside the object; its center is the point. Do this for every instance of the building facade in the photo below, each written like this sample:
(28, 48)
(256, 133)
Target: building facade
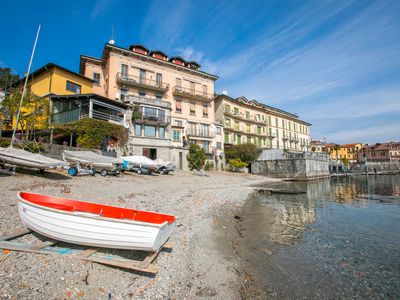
(52, 79)
(383, 152)
(247, 121)
(171, 100)
(344, 151)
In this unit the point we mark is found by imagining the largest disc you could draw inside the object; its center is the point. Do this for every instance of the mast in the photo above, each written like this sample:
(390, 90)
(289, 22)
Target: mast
(24, 90)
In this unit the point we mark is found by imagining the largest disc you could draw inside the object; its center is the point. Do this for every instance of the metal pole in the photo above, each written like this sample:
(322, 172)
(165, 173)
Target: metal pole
(24, 90)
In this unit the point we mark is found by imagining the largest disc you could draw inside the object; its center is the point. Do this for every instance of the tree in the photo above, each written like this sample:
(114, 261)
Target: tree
(7, 78)
(246, 153)
(337, 148)
(34, 110)
(196, 157)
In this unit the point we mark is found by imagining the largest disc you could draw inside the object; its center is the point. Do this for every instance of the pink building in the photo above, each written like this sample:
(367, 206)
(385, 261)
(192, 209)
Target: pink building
(380, 152)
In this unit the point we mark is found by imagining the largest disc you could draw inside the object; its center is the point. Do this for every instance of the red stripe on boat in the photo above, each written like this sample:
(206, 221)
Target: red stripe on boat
(107, 211)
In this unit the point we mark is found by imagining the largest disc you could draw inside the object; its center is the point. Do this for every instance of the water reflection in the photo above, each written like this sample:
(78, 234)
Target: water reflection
(344, 232)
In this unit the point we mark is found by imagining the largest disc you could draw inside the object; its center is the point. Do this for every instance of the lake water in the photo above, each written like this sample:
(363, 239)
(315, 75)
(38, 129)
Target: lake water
(339, 240)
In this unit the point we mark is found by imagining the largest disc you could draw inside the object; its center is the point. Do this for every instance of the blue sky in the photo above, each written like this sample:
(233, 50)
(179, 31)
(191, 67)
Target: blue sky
(335, 63)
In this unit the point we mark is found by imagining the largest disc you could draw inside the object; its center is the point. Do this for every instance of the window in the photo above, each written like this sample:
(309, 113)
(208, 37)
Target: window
(178, 123)
(219, 146)
(192, 87)
(158, 97)
(138, 130)
(96, 78)
(176, 135)
(204, 90)
(150, 111)
(228, 122)
(238, 139)
(269, 120)
(73, 87)
(178, 106)
(142, 76)
(205, 110)
(248, 128)
(236, 127)
(192, 108)
(247, 115)
(123, 92)
(205, 130)
(226, 137)
(218, 130)
(142, 94)
(159, 79)
(276, 122)
(206, 146)
(149, 131)
(249, 140)
(124, 70)
(178, 83)
(227, 108)
(161, 132)
(236, 110)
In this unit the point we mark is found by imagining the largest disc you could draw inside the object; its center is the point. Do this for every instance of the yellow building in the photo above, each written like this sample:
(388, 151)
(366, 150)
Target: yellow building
(345, 151)
(52, 79)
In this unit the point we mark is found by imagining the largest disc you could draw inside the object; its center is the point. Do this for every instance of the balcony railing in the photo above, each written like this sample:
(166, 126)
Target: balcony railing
(142, 82)
(66, 117)
(200, 133)
(145, 100)
(192, 93)
(152, 120)
(241, 116)
(74, 114)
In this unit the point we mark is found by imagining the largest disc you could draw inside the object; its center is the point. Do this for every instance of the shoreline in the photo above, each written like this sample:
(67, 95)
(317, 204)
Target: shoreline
(195, 268)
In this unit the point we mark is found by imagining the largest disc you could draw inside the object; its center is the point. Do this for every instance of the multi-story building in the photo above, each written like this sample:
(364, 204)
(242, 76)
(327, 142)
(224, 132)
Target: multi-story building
(171, 100)
(253, 122)
(345, 151)
(51, 79)
(380, 152)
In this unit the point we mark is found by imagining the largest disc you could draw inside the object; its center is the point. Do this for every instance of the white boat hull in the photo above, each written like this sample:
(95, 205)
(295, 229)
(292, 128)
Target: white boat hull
(93, 230)
(22, 158)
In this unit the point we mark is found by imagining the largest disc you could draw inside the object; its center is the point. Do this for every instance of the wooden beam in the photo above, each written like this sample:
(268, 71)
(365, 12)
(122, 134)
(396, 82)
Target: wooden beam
(15, 234)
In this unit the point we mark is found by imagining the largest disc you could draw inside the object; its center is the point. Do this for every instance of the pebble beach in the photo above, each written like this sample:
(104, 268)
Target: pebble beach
(198, 266)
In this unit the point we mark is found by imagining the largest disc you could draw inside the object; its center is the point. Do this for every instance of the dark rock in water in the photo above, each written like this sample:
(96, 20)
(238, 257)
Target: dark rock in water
(239, 218)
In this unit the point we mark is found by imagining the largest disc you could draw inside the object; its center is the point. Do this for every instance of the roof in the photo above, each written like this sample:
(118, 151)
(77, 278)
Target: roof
(107, 45)
(177, 57)
(46, 68)
(262, 106)
(88, 96)
(157, 51)
(138, 46)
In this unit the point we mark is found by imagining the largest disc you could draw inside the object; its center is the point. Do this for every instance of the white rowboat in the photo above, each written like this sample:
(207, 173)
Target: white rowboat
(93, 224)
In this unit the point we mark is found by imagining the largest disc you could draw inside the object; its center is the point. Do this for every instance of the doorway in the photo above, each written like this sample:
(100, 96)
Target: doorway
(180, 160)
(150, 153)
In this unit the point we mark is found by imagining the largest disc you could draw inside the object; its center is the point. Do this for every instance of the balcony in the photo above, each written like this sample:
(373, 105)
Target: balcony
(145, 100)
(192, 94)
(237, 115)
(198, 133)
(152, 120)
(76, 114)
(142, 82)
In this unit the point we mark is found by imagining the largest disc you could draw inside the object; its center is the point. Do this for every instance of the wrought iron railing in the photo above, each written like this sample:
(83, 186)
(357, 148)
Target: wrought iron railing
(138, 80)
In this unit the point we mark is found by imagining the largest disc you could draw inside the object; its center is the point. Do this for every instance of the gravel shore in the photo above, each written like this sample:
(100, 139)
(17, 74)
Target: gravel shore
(195, 268)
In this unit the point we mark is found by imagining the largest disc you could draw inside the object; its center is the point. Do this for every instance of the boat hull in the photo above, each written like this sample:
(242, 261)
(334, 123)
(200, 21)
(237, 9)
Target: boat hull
(15, 157)
(93, 230)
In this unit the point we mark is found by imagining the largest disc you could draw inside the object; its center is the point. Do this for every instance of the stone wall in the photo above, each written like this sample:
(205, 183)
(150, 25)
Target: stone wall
(386, 167)
(55, 151)
(306, 168)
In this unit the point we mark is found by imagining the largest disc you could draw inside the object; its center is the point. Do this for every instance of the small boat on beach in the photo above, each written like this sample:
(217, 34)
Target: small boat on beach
(22, 158)
(139, 162)
(92, 224)
(88, 160)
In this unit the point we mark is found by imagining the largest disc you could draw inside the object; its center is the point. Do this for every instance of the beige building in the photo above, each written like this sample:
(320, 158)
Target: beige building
(268, 127)
(172, 100)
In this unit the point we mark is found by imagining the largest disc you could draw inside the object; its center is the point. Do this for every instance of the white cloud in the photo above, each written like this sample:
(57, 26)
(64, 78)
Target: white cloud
(99, 8)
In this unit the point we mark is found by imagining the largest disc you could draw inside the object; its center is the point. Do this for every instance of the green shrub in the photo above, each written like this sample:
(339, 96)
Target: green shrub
(91, 132)
(236, 163)
(208, 166)
(196, 157)
(246, 153)
(33, 147)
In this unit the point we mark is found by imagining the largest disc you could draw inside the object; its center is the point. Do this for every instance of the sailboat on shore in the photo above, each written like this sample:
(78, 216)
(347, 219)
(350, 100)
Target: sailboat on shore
(21, 158)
